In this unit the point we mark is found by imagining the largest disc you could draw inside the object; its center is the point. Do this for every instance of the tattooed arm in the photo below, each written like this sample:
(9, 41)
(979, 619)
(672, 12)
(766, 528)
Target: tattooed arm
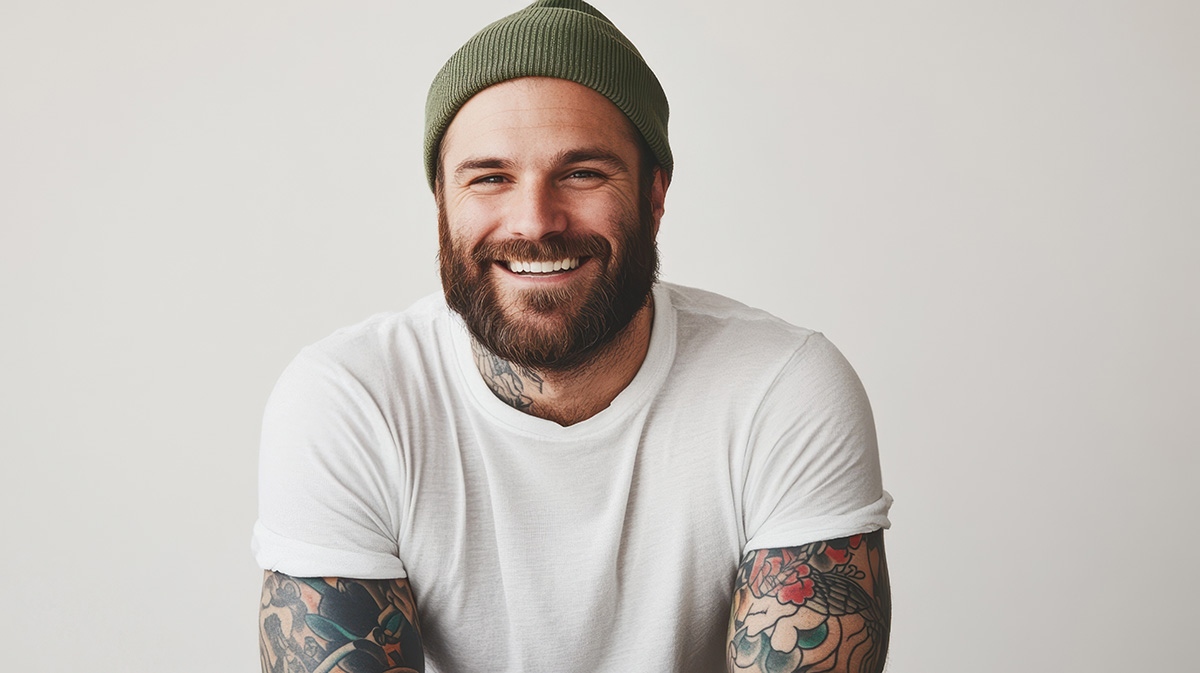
(821, 607)
(315, 625)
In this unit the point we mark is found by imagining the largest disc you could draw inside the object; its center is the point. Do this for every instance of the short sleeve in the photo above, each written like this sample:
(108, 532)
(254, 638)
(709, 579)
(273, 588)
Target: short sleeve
(812, 468)
(328, 477)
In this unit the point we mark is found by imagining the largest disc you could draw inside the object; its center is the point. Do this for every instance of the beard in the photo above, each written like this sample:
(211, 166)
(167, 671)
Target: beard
(560, 328)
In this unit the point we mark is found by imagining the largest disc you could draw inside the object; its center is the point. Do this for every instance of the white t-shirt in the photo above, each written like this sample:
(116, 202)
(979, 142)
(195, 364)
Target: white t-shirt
(608, 545)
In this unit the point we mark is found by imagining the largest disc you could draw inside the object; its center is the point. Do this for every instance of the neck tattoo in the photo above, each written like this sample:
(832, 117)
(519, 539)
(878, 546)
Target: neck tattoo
(511, 383)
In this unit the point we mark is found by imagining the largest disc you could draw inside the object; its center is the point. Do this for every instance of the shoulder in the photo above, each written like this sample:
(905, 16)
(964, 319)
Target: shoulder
(714, 326)
(381, 344)
(787, 368)
(383, 333)
(373, 359)
(341, 404)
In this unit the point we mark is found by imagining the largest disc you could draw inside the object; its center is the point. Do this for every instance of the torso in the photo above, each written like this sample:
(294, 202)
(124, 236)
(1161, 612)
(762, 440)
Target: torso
(607, 545)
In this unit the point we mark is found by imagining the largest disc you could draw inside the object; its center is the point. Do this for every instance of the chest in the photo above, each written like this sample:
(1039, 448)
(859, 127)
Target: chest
(511, 539)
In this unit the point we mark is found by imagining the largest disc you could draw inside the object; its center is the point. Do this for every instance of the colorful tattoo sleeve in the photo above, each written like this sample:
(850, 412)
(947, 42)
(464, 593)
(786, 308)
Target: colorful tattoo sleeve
(821, 607)
(317, 625)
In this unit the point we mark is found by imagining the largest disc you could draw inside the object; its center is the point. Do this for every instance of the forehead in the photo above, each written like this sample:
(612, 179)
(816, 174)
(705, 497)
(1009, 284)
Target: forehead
(532, 116)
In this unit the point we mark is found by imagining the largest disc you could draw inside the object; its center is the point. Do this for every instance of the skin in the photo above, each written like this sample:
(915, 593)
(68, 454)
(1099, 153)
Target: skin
(535, 158)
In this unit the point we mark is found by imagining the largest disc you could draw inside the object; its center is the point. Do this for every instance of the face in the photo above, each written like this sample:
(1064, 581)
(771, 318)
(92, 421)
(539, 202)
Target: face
(546, 221)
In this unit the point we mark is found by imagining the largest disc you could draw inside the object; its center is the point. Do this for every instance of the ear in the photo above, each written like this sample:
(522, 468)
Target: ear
(658, 196)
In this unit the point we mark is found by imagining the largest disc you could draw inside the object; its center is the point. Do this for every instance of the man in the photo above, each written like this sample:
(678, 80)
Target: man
(562, 465)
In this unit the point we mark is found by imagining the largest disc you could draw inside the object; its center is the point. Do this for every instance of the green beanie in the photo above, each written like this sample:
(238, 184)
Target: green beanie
(567, 39)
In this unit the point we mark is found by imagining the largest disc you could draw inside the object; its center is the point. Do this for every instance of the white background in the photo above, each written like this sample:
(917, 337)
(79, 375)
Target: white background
(991, 207)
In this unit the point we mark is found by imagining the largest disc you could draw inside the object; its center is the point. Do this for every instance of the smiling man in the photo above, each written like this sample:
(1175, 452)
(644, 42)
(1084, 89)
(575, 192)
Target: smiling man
(547, 222)
(561, 464)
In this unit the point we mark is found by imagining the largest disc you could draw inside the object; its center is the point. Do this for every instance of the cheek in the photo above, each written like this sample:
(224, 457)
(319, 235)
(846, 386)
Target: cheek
(472, 222)
(456, 231)
(601, 204)
(607, 217)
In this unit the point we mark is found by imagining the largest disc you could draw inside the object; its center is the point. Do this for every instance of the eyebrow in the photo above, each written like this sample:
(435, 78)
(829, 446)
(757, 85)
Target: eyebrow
(591, 155)
(481, 164)
(564, 158)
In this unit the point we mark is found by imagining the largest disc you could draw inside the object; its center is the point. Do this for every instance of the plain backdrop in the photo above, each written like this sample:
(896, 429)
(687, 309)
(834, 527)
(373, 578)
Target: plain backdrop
(991, 207)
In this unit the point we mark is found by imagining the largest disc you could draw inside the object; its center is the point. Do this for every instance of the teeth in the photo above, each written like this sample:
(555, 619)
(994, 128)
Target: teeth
(543, 267)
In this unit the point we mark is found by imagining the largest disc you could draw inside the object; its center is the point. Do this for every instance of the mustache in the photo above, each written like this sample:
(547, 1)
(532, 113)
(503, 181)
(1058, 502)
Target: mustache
(549, 250)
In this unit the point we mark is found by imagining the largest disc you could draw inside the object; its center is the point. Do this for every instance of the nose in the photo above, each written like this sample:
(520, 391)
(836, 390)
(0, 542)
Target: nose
(535, 213)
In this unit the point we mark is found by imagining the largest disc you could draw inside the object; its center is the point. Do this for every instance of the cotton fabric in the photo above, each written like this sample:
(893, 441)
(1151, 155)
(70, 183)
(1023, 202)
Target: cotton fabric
(608, 545)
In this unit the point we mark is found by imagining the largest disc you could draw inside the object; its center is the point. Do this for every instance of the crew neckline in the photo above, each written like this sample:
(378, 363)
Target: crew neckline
(649, 378)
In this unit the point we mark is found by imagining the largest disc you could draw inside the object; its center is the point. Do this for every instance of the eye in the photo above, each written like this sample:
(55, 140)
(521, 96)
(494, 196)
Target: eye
(489, 180)
(584, 174)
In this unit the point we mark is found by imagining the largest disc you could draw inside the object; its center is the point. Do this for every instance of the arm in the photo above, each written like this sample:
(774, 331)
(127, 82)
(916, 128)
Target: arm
(311, 625)
(822, 607)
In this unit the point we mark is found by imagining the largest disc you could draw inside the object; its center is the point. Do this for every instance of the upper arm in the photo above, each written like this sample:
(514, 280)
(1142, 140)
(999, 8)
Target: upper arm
(313, 625)
(811, 470)
(824, 606)
(330, 475)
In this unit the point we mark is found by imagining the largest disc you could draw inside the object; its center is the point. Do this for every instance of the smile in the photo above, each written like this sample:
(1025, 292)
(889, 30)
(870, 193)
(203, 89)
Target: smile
(542, 268)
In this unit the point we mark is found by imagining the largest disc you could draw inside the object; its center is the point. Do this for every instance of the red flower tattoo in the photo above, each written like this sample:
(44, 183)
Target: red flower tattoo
(798, 588)
(783, 576)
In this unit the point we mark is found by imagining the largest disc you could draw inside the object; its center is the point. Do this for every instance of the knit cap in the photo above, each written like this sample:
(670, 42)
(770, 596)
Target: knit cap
(566, 39)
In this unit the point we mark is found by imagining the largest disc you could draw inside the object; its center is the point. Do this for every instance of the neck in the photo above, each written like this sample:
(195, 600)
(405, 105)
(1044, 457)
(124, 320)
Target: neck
(568, 397)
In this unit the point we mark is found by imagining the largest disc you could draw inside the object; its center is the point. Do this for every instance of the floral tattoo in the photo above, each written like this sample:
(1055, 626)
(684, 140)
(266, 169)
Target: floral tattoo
(820, 607)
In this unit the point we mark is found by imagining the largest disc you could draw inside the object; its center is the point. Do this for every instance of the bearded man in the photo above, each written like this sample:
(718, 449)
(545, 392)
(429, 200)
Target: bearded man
(562, 464)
